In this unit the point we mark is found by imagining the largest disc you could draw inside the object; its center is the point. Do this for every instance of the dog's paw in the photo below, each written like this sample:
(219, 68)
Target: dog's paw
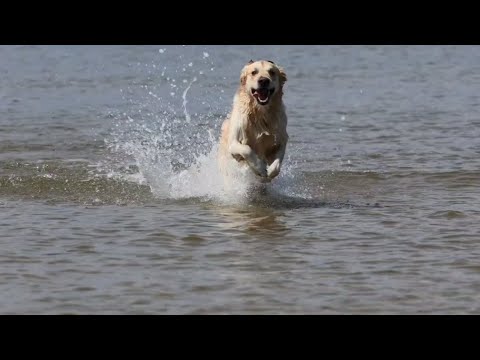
(274, 169)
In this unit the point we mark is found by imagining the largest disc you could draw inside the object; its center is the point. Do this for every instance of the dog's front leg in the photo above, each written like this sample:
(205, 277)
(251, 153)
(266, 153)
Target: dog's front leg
(238, 150)
(274, 168)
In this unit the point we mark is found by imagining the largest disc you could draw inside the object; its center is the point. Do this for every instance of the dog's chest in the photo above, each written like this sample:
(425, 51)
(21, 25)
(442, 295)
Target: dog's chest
(263, 144)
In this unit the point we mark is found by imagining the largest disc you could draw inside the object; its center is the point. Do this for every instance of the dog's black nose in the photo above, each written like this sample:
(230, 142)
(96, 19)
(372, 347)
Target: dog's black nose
(263, 82)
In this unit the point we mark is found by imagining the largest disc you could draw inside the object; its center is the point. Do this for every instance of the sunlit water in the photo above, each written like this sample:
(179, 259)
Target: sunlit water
(111, 202)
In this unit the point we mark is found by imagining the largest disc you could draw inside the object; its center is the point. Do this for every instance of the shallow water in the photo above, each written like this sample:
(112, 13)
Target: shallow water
(109, 200)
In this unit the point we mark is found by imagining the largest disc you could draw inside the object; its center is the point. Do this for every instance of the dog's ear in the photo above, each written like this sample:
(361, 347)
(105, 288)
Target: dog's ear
(243, 75)
(270, 61)
(283, 76)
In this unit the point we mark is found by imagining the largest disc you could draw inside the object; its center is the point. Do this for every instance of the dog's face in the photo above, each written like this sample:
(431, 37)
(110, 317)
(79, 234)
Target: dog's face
(263, 80)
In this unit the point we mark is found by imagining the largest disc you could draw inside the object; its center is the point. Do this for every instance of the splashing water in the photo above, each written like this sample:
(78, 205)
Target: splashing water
(172, 148)
(184, 97)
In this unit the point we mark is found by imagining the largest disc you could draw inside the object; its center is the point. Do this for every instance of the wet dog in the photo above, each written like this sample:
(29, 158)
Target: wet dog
(254, 134)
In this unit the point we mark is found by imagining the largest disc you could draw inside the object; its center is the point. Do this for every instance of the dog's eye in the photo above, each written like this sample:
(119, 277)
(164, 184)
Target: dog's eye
(271, 72)
(254, 72)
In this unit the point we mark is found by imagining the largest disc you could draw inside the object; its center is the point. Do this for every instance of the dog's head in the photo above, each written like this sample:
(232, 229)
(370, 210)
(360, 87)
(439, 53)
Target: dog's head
(263, 80)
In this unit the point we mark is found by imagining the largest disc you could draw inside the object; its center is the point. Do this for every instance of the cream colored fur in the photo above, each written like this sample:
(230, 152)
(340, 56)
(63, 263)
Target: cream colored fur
(255, 134)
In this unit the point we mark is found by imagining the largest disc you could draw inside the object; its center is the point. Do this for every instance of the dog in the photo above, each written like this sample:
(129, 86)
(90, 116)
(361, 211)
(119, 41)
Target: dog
(254, 134)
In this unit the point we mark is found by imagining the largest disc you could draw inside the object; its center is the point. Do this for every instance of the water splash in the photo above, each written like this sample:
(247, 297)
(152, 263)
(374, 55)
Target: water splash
(184, 97)
(174, 149)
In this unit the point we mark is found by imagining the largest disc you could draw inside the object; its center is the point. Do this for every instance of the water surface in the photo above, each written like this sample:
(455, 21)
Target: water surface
(109, 200)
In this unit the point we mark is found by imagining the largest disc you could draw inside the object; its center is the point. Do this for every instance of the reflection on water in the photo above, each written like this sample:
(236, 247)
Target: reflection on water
(252, 220)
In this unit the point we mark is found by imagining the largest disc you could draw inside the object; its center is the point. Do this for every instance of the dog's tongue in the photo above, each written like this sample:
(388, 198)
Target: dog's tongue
(262, 94)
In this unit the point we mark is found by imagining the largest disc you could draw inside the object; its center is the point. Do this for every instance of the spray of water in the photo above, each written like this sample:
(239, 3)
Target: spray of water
(168, 139)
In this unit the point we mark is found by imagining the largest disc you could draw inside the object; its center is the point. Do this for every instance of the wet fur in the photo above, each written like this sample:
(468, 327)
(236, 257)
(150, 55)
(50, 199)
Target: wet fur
(255, 135)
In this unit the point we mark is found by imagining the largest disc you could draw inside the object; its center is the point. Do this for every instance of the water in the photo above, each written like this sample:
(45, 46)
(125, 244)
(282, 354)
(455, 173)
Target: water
(110, 200)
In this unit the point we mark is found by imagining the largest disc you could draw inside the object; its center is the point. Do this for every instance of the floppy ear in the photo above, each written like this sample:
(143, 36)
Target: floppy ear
(283, 76)
(243, 75)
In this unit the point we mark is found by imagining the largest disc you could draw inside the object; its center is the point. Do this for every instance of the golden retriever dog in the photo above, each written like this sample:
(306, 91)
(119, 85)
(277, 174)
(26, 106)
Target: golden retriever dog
(254, 134)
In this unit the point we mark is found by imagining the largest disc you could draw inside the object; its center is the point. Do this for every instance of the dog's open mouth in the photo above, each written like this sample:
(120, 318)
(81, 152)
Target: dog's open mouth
(262, 95)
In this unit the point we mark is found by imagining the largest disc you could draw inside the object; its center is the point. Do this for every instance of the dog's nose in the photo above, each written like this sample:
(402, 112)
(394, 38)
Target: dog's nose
(263, 82)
